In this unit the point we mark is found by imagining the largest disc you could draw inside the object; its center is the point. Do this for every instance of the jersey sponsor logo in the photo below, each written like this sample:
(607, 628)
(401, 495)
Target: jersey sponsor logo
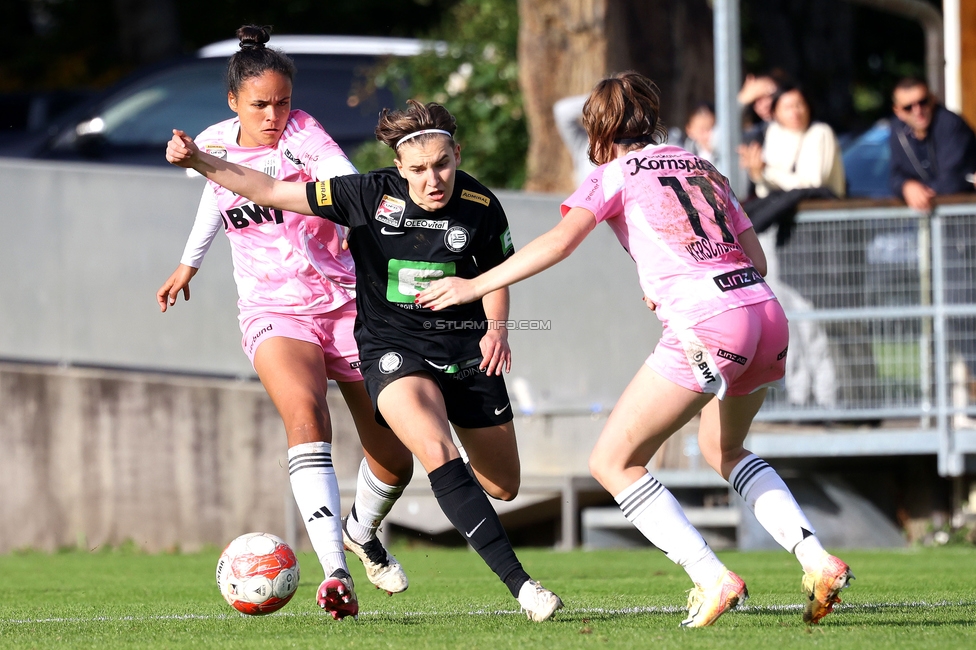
(293, 158)
(702, 364)
(248, 213)
(468, 195)
(738, 279)
(431, 224)
(507, 246)
(384, 231)
(669, 163)
(407, 278)
(323, 193)
(216, 150)
(779, 357)
(390, 210)
(456, 239)
(390, 362)
(355, 364)
(732, 356)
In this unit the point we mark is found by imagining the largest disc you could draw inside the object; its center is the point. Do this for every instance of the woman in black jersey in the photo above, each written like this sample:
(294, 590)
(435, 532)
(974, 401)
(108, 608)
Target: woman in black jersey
(408, 225)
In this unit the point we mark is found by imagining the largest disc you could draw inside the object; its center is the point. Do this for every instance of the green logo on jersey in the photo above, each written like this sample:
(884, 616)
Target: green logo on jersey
(506, 242)
(405, 279)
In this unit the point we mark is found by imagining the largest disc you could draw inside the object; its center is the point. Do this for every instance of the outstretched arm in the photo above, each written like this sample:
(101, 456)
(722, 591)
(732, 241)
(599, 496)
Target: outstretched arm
(538, 255)
(256, 186)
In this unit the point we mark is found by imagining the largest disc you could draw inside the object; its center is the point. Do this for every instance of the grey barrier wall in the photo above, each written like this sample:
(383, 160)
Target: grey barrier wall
(121, 423)
(87, 246)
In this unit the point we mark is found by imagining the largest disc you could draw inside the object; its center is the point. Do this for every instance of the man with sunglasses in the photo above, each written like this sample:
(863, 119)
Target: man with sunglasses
(933, 151)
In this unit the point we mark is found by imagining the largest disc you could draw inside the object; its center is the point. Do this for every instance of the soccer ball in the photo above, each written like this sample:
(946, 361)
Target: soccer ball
(257, 573)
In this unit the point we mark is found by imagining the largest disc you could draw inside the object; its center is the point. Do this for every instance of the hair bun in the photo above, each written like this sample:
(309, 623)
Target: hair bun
(253, 36)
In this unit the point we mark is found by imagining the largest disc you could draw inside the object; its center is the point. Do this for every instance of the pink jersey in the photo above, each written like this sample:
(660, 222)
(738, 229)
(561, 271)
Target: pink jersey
(284, 262)
(679, 220)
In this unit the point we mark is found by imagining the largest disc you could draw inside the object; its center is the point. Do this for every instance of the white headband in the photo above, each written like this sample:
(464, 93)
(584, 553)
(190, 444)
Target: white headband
(421, 132)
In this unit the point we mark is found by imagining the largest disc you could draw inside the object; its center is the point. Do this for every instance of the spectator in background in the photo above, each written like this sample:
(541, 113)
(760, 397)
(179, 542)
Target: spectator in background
(756, 98)
(932, 152)
(932, 148)
(799, 159)
(797, 153)
(697, 135)
(567, 113)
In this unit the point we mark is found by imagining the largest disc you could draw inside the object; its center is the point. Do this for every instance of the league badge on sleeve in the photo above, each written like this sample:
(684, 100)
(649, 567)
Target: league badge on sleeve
(390, 211)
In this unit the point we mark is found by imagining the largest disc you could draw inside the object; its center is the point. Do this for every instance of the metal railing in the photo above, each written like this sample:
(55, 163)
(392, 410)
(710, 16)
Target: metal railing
(882, 309)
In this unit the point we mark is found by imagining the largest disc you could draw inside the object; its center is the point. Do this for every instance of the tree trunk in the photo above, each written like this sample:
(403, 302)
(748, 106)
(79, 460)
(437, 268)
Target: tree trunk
(565, 46)
(562, 52)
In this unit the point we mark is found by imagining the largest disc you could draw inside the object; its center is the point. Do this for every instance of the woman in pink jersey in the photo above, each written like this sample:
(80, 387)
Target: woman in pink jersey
(297, 309)
(725, 336)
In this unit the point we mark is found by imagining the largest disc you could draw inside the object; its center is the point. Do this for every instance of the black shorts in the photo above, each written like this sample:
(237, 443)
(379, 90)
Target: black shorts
(474, 399)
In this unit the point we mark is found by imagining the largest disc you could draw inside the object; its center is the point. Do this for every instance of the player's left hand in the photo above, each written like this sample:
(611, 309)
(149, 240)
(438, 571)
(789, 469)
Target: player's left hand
(446, 292)
(495, 351)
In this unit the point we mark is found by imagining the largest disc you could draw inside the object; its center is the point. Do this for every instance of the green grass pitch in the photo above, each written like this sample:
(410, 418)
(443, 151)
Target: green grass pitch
(917, 598)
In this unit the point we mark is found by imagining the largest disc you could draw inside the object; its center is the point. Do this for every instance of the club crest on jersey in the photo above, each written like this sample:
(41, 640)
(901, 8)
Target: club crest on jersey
(456, 239)
(216, 150)
(390, 211)
(270, 166)
(390, 362)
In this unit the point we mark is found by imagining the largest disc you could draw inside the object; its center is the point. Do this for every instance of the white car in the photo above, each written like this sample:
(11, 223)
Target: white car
(131, 122)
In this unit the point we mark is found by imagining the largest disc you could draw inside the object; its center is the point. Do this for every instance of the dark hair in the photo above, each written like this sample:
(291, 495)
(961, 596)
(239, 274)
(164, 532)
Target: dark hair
(394, 125)
(254, 59)
(910, 82)
(700, 107)
(622, 109)
(788, 88)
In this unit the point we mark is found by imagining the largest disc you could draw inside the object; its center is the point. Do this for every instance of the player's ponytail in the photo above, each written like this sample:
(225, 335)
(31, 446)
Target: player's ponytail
(622, 109)
(254, 59)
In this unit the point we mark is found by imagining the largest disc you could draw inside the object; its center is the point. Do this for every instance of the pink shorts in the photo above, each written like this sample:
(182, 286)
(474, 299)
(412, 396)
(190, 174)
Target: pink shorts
(734, 353)
(331, 331)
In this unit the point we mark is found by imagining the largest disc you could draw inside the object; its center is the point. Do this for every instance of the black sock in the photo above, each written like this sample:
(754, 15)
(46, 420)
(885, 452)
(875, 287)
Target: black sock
(467, 507)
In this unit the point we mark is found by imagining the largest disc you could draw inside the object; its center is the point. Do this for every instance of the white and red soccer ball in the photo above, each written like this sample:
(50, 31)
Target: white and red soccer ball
(257, 573)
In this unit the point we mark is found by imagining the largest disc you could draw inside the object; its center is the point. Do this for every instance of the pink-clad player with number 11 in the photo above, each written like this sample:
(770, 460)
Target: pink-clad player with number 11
(724, 342)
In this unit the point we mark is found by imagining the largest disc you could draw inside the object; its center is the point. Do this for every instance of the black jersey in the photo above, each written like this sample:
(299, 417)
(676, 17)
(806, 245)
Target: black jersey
(399, 248)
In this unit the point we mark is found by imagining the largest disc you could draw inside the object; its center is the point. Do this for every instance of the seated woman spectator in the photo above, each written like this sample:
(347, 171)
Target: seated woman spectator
(797, 153)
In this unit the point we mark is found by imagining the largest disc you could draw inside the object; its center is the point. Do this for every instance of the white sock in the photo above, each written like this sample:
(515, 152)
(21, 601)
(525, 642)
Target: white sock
(810, 553)
(772, 502)
(374, 499)
(656, 513)
(313, 482)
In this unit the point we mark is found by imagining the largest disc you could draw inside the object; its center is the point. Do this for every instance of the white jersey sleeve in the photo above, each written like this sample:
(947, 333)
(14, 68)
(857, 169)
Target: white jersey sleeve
(205, 227)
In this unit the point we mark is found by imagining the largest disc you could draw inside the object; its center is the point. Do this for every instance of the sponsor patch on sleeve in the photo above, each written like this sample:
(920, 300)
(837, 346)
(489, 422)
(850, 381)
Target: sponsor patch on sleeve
(506, 238)
(216, 150)
(474, 196)
(323, 193)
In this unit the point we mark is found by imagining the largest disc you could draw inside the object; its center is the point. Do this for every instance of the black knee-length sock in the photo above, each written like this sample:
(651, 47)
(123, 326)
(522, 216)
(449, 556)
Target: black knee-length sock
(467, 507)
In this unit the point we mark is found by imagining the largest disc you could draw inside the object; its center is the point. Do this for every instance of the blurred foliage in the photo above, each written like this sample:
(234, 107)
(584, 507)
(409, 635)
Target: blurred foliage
(475, 76)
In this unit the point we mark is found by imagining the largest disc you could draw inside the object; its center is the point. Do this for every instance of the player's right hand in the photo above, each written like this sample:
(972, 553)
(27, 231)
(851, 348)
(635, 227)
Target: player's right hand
(181, 149)
(178, 281)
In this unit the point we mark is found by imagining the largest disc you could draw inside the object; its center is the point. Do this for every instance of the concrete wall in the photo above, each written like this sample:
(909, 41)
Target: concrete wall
(120, 423)
(93, 457)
